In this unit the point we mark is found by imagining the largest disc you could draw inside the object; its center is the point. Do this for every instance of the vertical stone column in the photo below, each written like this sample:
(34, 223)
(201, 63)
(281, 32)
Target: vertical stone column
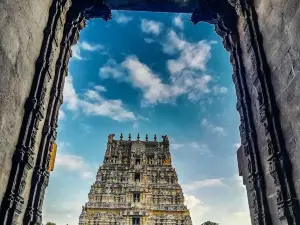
(17, 190)
(284, 205)
(21, 35)
(69, 25)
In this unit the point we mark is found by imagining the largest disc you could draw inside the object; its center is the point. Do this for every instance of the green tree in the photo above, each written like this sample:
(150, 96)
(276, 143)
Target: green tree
(50, 223)
(209, 223)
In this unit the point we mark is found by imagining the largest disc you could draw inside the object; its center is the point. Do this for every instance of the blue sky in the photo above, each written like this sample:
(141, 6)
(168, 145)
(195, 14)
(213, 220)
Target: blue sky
(150, 73)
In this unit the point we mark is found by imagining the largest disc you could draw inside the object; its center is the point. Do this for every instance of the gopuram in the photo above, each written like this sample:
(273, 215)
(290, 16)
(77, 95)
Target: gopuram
(136, 185)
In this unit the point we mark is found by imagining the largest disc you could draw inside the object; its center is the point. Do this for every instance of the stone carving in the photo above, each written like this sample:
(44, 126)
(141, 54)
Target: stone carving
(97, 10)
(111, 138)
(142, 197)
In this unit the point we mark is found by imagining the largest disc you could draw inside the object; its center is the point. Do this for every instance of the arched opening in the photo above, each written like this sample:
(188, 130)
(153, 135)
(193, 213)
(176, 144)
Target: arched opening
(103, 63)
(260, 128)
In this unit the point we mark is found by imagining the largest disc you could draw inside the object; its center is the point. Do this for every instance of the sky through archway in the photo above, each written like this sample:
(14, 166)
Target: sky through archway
(150, 73)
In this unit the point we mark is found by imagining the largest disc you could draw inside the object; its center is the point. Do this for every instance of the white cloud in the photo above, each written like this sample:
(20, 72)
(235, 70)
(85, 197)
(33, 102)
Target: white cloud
(85, 46)
(70, 97)
(72, 163)
(111, 69)
(219, 131)
(100, 88)
(219, 89)
(94, 104)
(97, 106)
(142, 77)
(149, 40)
(201, 148)
(237, 145)
(197, 208)
(121, 18)
(237, 218)
(177, 21)
(61, 114)
(67, 208)
(218, 182)
(191, 55)
(155, 91)
(205, 122)
(76, 52)
(143, 118)
(135, 125)
(90, 47)
(187, 73)
(176, 146)
(151, 27)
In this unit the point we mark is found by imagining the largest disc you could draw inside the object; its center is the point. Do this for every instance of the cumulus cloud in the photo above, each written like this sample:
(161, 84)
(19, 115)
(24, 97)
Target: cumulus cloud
(197, 208)
(61, 114)
(151, 27)
(76, 52)
(176, 146)
(90, 47)
(195, 146)
(201, 148)
(149, 40)
(219, 89)
(195, 185)
(177, 21)
(111, 69)
(100, 88)
(72, 163)
(236, 146)
(70, 97)
(85, 46)
(92, 103)
(67, 208)
(191, 55)
(121, 18)
(220, 131)
(154, 89)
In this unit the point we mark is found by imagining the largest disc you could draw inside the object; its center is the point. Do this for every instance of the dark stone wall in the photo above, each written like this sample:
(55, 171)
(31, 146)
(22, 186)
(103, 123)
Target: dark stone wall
(21, 34)
(279, 22)
(279, 27)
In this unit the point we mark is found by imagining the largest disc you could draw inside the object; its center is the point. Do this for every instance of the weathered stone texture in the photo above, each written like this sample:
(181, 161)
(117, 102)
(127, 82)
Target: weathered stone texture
(21, 34)
(279, 23)
(119, 195)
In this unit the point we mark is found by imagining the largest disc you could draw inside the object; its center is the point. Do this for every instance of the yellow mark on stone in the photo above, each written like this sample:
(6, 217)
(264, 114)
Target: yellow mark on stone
(167, 162)
(52, 157)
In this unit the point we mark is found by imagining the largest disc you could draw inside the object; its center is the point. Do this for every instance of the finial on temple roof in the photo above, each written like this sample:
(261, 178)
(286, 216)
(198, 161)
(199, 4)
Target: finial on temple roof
(165, 138)
(154, 137)
(111, 137)
(138, 137)
(121, 137)
(129, 137)
(146, 137)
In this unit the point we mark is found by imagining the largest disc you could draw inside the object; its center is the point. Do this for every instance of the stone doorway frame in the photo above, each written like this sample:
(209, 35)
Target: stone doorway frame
(236, 22)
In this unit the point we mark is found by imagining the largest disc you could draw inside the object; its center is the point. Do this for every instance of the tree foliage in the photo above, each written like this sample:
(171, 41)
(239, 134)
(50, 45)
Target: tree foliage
(50, 223)
(209, 223)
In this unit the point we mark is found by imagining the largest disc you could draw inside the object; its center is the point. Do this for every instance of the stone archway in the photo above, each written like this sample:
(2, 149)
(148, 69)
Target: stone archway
(267, 158)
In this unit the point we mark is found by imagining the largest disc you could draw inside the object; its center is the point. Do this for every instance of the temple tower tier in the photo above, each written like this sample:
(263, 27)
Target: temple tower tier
(136, 185)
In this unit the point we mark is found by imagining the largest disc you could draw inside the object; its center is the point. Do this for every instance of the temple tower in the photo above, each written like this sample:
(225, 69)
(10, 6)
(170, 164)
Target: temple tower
(136, 185)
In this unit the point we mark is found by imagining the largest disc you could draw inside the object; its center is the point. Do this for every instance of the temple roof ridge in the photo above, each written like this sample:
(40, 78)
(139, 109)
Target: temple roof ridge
(164, 138)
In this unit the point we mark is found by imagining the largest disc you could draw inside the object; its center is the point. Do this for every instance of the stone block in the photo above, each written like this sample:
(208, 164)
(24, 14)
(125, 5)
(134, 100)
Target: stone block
(294, 28)
(289, 10)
